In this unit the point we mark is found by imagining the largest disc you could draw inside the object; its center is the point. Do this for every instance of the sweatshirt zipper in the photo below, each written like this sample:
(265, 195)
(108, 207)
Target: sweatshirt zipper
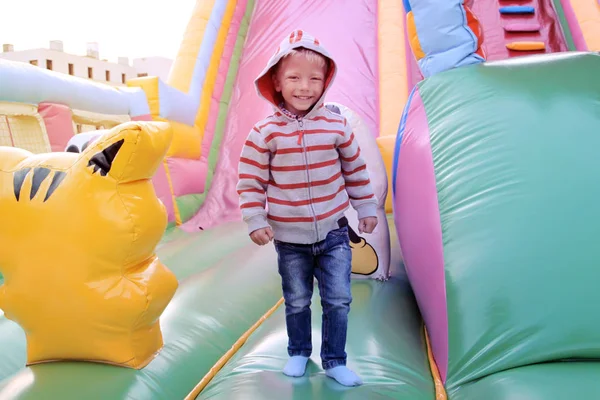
(301, 125)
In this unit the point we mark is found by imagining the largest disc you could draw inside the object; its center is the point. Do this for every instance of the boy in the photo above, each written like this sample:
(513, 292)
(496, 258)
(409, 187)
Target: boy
(304, 162)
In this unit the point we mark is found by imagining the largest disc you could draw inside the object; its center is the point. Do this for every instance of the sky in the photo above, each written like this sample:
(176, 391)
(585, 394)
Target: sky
(122, 28)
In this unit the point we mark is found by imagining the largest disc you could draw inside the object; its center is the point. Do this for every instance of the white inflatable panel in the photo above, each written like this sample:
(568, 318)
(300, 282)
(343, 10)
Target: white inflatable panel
(176, 105)
(24, 83)
(370, 252)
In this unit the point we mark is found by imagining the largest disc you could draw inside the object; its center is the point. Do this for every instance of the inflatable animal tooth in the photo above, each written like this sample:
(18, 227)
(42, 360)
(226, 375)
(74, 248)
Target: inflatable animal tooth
(78, 235)
(370, 252)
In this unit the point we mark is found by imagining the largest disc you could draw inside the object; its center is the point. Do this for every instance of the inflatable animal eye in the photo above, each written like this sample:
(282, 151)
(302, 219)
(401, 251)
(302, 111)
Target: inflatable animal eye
(103, 160)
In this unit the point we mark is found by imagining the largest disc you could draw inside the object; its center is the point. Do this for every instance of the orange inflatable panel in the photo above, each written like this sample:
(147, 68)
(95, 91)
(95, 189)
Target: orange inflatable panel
(526, 46)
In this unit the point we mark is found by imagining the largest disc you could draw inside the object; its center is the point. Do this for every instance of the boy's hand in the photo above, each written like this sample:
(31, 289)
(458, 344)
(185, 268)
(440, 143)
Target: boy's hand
(262, 236)
(367, 224)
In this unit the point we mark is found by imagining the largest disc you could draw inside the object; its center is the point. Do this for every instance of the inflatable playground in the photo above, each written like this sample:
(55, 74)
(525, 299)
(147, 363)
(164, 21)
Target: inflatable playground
(127, 273)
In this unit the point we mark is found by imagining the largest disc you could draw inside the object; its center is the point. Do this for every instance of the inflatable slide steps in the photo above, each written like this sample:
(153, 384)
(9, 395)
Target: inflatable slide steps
(528, 28)
(226, 284)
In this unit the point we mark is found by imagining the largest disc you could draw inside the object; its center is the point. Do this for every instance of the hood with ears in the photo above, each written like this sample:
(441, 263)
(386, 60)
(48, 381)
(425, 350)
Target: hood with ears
(298, 38)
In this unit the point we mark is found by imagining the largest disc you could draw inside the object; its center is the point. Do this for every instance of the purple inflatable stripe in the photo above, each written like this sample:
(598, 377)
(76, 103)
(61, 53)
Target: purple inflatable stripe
(185, 175)
(417, 218)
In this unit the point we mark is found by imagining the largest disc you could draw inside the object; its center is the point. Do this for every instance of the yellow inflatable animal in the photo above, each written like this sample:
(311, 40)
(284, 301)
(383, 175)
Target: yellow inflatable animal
(77, 240)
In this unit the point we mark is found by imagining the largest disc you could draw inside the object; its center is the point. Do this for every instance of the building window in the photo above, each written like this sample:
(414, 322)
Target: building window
(71, 69)
(141, 75)
(49, 64)
(90, 73)
(33, 62)
(107, 75)
(123, 78)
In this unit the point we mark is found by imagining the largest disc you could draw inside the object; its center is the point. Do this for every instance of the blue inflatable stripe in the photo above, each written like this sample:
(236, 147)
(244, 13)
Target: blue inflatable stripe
(517, 10)
(399, 135)
(206, 49)
(407, 7)
(445, 36)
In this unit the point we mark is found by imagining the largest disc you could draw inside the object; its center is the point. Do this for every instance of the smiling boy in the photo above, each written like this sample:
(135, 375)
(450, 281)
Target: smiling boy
(304, 162)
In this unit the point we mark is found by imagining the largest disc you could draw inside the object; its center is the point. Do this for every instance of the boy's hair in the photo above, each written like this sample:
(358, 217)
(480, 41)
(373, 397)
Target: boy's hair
(311, 55)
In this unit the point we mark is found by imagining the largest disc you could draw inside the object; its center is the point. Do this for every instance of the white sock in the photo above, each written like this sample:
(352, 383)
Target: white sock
(344, 376)
(296, 366)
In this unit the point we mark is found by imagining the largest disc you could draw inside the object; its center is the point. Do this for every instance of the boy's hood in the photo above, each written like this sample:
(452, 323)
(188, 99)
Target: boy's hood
(298, 38)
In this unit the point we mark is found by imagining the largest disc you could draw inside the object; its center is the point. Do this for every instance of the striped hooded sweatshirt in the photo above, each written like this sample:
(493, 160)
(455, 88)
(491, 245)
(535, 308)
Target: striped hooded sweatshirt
(299, 174)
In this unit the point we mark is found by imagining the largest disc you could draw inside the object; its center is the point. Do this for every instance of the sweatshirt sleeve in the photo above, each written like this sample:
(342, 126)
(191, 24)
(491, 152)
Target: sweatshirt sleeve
(354, 171)
(253, 180)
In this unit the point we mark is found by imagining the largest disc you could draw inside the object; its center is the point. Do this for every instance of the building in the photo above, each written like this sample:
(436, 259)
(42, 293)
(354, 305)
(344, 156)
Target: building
(153, 66)
(89, 66)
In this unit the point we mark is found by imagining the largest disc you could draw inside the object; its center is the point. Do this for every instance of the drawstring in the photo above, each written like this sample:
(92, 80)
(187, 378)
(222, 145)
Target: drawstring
(301, 134)
(297, 118)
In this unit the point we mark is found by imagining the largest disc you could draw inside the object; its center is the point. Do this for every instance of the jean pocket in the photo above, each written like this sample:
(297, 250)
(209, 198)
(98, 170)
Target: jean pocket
(340, 232)
(279, 245)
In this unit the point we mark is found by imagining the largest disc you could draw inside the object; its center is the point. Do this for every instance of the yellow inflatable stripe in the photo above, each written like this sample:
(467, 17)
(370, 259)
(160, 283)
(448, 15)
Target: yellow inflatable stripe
(227, 356)
(526, 46)
(182, 70)
(393, 86)
(149, 84)
(440, 391)
(186, 141)
(413, 36)
(386, 146)
(10, 108)
(588, 16)
(213, 69)
(176, 212)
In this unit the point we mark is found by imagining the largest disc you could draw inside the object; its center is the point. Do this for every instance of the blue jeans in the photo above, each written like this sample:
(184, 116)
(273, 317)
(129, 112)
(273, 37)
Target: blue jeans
(330, 261)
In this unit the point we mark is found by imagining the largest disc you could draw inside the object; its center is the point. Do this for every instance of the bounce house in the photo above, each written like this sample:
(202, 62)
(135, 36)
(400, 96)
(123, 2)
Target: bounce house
(127, 273)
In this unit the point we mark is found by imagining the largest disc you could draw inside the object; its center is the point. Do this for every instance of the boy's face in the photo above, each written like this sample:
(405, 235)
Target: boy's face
(300, 82)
